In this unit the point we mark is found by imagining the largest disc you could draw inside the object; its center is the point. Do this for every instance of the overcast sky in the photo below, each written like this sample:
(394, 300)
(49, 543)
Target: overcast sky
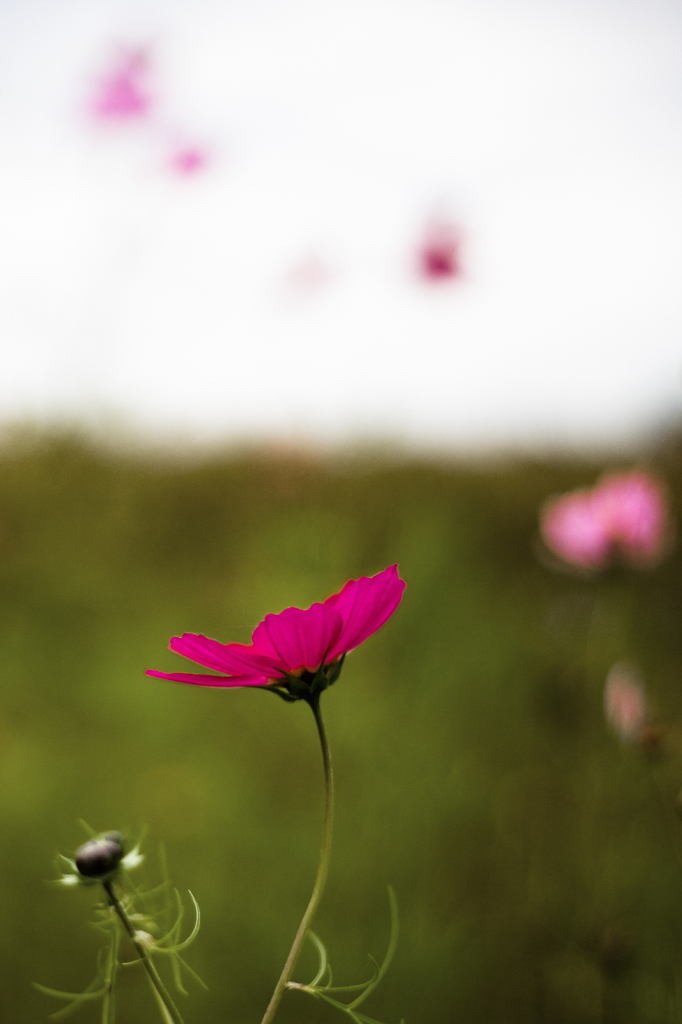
(273, 291)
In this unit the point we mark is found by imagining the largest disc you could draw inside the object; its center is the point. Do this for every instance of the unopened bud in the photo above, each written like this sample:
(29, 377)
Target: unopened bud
(625, 703)
(100, 857)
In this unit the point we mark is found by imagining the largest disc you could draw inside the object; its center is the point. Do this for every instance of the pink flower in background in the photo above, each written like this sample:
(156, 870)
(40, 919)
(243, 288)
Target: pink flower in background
(574, 530)
(295, 642)
(122, 95)
(188, 160)
(309, 274)
(625, 512)
(625, 703)
(439, 257)
(633, 507)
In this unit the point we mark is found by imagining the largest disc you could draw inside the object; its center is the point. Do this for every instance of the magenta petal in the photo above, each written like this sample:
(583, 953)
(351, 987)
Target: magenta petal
(574, 528)
(199, 680)
(365, 604)
(121, 98)
(234, 659)
(298, 638)
(634, 508)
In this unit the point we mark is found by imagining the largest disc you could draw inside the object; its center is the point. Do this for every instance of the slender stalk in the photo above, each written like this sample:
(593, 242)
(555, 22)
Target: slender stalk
(108, 1002)
(322, 867)
(160, 990)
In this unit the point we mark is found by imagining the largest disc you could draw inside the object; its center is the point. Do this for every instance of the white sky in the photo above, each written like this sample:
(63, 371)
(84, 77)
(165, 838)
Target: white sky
(549, 129)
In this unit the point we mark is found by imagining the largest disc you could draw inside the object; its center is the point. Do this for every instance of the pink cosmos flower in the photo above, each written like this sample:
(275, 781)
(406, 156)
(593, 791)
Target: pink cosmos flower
(572, 528)
(122, 94)
(188, 160)
(625, 703)
(298, 650)
(308, 274)
(633, 507)
(625, 512)
(439, 256)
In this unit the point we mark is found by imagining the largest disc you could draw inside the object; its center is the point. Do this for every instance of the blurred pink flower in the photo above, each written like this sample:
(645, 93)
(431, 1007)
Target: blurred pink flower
(625, 512)
(296, 642)
(625, 703)
(309, 274)
(573, 529)
(633, 507)
(188, 160)
(122, 94)
(439, 257)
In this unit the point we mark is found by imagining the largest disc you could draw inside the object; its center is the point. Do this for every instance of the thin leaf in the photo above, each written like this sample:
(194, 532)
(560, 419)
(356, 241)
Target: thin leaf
(319, 945)
(339, 1006)
(322, 991)
(193, 973)
(165, 874)
(181, 914)
(359, 1018)
(149, 893)
(75, 998)
(193, 934)
(177, 977)
(170, 934)
(392, 944)
(365, 1019)
(66, 1012)
(80, 996)
(354, 988)
(347, 988)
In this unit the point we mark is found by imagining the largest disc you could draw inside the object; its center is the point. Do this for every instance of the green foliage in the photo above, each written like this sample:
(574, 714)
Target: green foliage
(146, 911)
(103, 985)
(533, 866)
(321, 986)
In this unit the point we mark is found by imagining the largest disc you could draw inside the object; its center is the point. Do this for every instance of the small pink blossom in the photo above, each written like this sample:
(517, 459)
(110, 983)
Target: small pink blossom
(309, 274)
(633, 507)
(122, 95)
(625, 703)
(188, 160)
(439, 257)
(294, 644)
(624, 512)
(573, 529)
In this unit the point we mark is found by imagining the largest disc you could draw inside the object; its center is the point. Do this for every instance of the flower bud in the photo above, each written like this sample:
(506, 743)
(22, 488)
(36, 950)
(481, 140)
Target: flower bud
(625, 703)
(100, 857)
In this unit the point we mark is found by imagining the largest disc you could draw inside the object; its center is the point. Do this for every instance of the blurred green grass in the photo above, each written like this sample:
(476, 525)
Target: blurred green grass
(532, 857)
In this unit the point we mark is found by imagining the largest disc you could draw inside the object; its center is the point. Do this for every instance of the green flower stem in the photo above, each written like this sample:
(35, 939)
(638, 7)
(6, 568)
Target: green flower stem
(160, 991)
(322, 867)
(108, 1002)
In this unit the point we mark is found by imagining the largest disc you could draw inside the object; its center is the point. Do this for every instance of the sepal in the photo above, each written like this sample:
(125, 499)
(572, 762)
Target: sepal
(334, 670)
(308, 685)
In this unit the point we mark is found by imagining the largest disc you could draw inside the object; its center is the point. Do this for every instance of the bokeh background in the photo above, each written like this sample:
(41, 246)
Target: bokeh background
(291, 292)
(535, 859)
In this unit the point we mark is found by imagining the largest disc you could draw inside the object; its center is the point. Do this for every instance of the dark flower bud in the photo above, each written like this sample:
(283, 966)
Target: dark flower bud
(100, 857)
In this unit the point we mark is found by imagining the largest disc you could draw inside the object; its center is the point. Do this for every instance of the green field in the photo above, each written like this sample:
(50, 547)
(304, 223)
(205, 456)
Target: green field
(535, 860)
